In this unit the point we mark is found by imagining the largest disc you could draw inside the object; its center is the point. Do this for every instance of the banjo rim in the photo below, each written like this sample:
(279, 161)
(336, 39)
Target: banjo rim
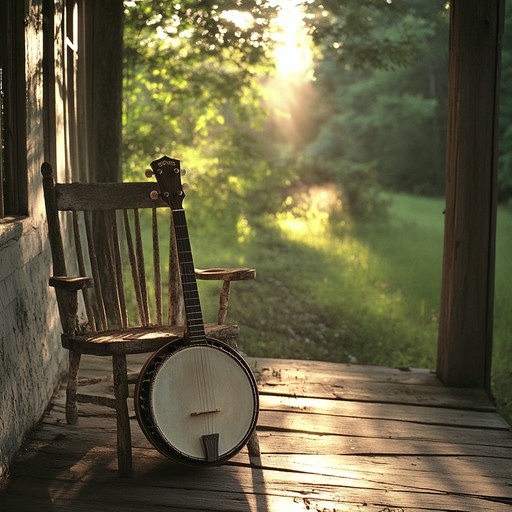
(144, 405)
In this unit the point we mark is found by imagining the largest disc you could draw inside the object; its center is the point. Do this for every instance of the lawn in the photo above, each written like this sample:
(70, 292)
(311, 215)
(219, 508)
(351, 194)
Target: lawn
(365, 293)
(328, 289)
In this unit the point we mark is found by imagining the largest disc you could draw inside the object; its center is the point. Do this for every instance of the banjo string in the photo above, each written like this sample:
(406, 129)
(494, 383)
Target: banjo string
(213, 405)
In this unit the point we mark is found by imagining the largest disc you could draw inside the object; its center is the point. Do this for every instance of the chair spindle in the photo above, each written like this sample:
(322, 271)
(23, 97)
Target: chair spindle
(118, 264)
(82, 272)
(140, 266)
(95, 271)
(156, 267)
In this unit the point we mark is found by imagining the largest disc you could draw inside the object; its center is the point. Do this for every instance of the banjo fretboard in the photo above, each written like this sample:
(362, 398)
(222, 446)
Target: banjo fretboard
(193, 313)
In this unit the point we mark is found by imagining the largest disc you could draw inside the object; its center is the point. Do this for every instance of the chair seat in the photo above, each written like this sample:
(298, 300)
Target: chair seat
(137, 340)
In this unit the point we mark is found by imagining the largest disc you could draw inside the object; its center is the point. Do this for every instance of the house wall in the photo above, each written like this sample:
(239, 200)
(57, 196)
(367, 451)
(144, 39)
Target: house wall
(31, 357)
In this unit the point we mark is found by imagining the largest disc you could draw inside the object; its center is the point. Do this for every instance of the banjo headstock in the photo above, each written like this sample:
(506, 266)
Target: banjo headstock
(168, 174)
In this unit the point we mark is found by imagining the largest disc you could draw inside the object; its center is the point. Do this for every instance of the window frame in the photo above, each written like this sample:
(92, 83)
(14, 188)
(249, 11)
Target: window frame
(13, 147)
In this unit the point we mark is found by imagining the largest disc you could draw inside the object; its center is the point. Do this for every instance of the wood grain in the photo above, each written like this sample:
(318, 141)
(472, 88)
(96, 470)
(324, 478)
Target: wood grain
(466, 310)
(317, 453)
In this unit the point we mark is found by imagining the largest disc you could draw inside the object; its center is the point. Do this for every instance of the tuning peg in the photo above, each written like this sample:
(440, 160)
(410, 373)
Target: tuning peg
(154, 195)
(185, 186)
(148, 173)
(183, 172)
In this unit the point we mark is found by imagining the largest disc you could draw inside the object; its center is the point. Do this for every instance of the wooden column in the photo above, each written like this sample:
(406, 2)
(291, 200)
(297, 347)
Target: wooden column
(104, 82)
(465, 331)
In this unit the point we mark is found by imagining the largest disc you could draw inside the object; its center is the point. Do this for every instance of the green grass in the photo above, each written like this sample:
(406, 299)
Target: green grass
(338, 293)
(502, 342)
(331, 290)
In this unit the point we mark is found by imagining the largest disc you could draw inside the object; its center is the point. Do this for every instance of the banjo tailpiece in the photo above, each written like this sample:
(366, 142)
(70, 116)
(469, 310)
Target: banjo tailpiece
(211, 447)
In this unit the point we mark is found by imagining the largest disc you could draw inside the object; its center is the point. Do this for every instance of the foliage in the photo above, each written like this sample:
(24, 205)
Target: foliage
(372, 34)
(360, 194)
(502, 328)
(189, 70)
(393, 120)
(190, 90)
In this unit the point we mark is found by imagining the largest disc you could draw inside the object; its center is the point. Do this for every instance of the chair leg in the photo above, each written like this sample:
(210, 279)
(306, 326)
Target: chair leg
(124, 438)
(71, 390)
(253, 445)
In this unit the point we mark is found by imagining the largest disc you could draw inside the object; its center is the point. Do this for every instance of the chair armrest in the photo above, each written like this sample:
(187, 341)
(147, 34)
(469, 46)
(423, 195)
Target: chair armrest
(70, 284)
(226, 274)
(67, 292)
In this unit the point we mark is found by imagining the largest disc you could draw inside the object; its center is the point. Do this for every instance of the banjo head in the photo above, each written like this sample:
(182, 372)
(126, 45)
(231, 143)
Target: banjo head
(197, 403)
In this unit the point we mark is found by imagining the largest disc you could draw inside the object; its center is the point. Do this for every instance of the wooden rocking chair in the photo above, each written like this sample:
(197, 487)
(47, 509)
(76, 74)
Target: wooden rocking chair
(114, 326)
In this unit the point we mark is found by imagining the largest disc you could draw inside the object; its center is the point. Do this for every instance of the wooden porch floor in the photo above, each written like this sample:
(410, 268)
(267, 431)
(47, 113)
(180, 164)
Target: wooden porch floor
(333, 437)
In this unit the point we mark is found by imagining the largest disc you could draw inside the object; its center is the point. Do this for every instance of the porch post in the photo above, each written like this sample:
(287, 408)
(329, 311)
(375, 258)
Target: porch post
(465, 330)
(104, 90)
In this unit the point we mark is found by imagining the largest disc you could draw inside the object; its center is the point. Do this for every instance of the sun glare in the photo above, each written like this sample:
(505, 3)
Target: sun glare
(308, 214)
(289, 89)
(241, 19)
(293, 54)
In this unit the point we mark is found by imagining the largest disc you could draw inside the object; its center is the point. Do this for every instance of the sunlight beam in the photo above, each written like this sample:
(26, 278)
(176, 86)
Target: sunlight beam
(293, 52)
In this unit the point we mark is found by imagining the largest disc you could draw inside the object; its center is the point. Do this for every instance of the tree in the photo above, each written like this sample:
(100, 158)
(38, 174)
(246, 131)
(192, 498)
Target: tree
(192, 87)
(389, 120)
(188, 66)
(372, 34)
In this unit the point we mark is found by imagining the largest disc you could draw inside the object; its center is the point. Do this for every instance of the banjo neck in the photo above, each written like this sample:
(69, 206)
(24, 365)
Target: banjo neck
(168, 173)
(193, 314)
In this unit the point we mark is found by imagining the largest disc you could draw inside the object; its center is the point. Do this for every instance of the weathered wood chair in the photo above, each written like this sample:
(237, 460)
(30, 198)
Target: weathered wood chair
(115, 259)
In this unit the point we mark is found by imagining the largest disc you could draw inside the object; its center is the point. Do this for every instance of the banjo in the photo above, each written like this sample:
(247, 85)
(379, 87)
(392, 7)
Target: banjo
(196, 398)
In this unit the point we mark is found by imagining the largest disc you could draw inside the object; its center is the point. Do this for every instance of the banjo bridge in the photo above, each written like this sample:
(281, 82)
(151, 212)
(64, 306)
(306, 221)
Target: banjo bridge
(198, 413)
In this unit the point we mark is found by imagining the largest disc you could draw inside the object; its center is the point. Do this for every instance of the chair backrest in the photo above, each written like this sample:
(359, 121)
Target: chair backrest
(111, 228)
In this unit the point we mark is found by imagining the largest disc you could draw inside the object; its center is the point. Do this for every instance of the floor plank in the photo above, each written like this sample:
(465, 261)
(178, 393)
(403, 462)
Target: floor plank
(333, 437)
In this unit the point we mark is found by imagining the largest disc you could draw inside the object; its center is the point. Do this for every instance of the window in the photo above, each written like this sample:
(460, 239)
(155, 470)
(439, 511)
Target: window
(71, 79)
(13, 157)
(76, 16)
(66, 89)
